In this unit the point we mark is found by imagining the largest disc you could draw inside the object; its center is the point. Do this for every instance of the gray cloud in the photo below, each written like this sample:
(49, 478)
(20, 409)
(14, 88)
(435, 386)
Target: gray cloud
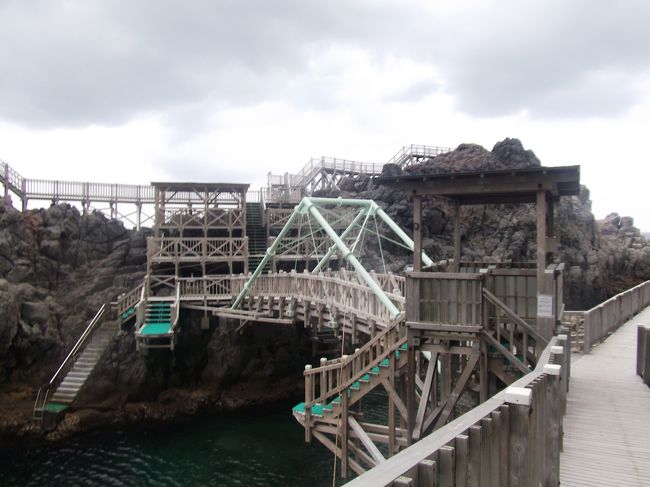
(85, 62)
(552, 59)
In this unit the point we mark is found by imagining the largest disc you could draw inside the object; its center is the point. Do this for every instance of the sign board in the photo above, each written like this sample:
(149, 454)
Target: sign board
(545, 306)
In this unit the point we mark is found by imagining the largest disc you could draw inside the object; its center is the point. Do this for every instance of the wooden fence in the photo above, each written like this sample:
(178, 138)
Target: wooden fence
(643, 353)
(513, 439)
(600, 321)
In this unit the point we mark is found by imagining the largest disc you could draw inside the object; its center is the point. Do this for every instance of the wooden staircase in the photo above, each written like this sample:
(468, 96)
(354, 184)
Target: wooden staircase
(333, 388)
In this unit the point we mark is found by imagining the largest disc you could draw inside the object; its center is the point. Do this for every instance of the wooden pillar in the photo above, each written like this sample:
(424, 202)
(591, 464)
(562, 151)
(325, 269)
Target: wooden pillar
(456, 267)
(410, 391)
(344, 434)
(417, 233)
(541, 238)
(138, 222)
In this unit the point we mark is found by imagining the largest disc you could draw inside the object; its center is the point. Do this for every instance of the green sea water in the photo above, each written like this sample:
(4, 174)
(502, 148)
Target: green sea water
(260, 447)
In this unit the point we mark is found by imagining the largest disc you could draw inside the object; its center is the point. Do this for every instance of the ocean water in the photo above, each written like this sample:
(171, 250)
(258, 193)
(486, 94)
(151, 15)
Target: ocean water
(260, 447)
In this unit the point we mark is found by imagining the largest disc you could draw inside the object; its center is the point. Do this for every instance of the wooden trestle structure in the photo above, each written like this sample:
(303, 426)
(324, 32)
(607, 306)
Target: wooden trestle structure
(466, 333)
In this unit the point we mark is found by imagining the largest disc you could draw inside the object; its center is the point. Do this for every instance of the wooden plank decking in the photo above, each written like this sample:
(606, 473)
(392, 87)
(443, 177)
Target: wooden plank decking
(607, 425)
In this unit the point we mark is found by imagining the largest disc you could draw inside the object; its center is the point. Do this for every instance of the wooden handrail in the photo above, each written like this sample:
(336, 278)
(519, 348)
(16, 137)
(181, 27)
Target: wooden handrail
(513, 316)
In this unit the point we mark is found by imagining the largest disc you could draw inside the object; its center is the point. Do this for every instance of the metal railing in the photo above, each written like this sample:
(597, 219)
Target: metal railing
(407, 153)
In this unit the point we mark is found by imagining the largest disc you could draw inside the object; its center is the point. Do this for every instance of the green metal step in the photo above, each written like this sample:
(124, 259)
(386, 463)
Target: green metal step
(55, 407)
(316, 409)
(150, 329)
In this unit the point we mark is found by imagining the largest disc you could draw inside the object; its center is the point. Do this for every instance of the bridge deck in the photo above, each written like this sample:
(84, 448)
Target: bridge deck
(607, 425)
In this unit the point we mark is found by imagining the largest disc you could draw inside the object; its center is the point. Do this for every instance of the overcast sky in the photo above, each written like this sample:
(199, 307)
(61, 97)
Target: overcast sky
(227, 90)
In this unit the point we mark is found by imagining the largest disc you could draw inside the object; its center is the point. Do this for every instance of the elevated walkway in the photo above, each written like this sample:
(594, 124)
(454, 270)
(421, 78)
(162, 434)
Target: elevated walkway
(607, 424)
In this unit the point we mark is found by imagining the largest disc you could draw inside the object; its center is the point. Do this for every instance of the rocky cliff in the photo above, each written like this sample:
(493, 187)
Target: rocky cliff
(57, 268)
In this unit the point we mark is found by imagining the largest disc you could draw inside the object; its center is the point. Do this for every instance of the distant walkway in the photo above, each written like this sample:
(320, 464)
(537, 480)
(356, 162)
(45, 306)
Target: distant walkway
(607, 425)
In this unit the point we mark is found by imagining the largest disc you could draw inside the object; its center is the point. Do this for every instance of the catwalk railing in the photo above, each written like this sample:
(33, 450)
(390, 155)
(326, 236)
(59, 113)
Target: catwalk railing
(600, 321)
(513, 439)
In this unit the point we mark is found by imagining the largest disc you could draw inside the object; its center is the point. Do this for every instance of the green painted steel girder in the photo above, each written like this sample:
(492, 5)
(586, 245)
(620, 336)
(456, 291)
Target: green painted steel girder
(310, 206)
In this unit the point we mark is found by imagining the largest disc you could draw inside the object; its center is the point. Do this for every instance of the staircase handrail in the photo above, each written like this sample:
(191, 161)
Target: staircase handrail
(80, 342)
(129, 299)
(177, 306)
(408, 151)
(11, 177)
(351, 368)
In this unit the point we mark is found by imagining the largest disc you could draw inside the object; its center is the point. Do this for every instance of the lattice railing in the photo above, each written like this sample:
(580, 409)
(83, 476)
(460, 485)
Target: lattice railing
(213, 249)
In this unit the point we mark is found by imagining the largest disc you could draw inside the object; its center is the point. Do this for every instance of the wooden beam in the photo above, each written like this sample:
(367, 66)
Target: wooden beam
(458, 389)
(506, 353)
(417, 233)
(541, 238)
(514, 317)
(367, 442)
(395, 397)
(424, 397)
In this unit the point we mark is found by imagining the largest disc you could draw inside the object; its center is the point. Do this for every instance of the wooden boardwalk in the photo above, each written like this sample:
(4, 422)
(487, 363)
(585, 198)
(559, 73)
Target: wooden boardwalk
(607, 425)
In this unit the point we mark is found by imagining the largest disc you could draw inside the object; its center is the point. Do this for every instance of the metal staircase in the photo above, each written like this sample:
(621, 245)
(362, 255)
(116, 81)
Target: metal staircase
(256, 233)
(75, 369)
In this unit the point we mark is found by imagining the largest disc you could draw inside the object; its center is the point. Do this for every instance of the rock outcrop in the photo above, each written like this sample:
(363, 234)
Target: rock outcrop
(602, 258)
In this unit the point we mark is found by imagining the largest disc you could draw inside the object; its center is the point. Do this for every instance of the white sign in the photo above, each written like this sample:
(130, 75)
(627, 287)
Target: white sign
(545, 306)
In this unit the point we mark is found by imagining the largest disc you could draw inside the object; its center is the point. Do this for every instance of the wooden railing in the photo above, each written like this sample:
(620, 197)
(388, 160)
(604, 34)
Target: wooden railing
(169, 249)
(445, 297)
(128, 300)
(346, 296)
(333, 377)
(643, 353)
(512, 439)
(602, 320)
(210, 287)
(199, 217)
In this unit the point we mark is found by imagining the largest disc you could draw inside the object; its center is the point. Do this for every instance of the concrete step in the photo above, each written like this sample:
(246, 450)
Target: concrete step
(62, 399)
(67, 390)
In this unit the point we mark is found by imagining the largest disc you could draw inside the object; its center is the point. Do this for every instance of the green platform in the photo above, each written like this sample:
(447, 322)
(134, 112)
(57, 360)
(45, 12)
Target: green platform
(55, 407)
(150, 329)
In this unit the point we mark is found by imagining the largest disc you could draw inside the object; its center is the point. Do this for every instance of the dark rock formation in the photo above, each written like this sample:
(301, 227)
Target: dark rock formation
(57, 268)
(602, 258)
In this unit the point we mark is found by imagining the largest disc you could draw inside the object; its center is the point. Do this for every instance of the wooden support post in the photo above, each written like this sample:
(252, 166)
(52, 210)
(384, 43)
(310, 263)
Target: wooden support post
(456, 266)
(552, 425)
(541, 237)
(475, 455)
(519, 401)
(462, 460)
(427, 472)
(343, 434)
(447, 474)
(410, 392)
(417, 233)
(392, 444)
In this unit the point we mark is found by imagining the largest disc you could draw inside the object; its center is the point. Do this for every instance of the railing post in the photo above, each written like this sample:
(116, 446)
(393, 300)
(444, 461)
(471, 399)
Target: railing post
(519, 400)
(308, 399)
(553, 421)
(586, 343)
